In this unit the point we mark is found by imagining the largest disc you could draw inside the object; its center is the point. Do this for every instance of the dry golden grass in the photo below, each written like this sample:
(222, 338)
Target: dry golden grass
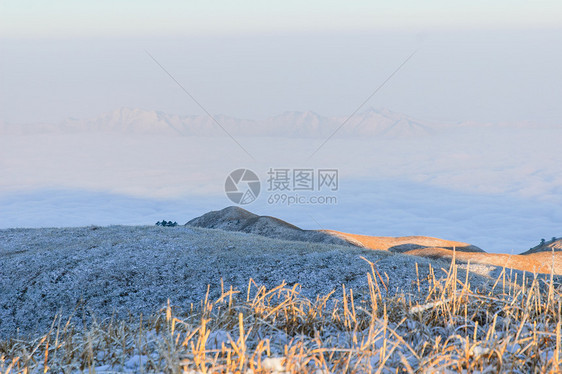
(385, 243)
(451, 328)
(539, 262)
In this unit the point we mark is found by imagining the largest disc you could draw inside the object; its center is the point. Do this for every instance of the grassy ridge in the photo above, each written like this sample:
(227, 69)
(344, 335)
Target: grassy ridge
(511, 328)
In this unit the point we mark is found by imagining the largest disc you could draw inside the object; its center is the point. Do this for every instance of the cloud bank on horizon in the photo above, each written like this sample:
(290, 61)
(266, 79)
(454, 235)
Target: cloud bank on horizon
(497, 223)
(152, 154)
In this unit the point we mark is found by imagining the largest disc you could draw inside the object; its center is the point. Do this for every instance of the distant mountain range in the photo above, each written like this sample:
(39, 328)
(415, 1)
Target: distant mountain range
(289, 124)
(370, 123)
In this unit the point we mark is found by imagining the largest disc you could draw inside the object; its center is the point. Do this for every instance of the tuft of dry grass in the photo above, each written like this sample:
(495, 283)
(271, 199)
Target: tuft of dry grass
(514, 327)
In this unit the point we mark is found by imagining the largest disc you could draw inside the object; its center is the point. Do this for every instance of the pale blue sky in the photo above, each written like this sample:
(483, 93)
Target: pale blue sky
(69, 18)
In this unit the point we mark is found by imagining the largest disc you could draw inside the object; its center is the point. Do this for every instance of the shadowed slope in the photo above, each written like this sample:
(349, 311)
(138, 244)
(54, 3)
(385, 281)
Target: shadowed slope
(551, 245)
(237, 219)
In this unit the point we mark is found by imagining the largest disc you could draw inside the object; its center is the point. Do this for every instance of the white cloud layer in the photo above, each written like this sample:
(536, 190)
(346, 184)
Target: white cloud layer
(495, 223)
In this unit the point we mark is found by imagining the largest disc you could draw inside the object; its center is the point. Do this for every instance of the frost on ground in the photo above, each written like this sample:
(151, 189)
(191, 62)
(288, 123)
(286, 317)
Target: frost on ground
(301, 307)
(125, 271)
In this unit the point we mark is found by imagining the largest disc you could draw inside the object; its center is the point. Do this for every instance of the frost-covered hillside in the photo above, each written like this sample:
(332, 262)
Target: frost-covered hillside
(96, 271)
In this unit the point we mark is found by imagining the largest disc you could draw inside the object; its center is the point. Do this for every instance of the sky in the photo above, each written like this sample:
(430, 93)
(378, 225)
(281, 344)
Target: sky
(475, 60)
(487, 62)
